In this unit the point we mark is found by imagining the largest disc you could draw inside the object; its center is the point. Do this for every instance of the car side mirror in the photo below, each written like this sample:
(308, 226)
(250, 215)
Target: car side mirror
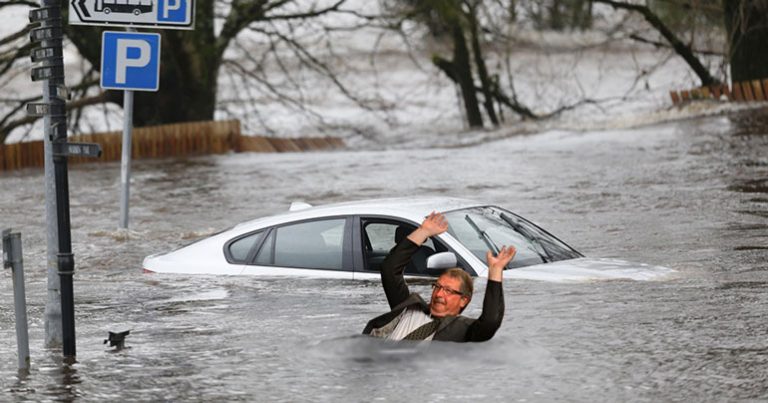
(440, 262)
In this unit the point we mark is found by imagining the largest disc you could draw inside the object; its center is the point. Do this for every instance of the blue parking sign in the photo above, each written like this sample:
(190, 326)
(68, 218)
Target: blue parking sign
(130, 61)
(172, 11)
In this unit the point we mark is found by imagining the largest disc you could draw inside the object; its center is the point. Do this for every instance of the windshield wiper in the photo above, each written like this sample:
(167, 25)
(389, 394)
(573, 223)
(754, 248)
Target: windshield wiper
(486, 238)
(524, 231)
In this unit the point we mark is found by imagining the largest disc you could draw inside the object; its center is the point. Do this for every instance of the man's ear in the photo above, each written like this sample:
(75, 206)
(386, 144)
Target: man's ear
(465, 301)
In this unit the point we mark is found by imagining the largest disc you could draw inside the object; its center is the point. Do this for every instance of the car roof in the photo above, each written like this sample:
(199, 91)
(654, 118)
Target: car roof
(412, 208)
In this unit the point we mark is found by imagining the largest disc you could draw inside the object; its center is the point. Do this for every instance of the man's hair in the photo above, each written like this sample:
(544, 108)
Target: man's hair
(467, 284)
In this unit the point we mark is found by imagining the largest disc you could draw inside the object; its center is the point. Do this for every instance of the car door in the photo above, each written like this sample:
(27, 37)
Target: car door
(314, 248)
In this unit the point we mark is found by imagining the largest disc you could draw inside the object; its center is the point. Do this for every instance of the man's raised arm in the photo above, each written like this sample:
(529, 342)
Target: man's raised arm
(393, 266)
(493, 304)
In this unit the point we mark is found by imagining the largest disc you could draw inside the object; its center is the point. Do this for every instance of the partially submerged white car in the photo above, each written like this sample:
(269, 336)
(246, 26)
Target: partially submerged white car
(350, 240)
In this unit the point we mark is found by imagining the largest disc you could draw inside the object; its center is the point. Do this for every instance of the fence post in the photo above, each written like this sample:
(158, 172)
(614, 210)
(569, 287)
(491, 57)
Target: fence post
(12, 259)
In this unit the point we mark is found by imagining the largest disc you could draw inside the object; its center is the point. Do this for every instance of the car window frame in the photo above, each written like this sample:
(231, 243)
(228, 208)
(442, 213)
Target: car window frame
(359, 247)
(346, 254)
(256, 246)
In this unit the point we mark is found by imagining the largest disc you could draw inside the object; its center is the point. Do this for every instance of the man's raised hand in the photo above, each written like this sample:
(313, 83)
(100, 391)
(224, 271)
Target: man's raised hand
(434, 224)
(496, 264)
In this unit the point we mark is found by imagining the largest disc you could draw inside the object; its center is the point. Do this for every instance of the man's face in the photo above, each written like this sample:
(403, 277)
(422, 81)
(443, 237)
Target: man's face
(446, 297)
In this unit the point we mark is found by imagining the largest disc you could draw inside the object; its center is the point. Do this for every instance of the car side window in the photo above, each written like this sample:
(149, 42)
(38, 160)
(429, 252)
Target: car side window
(381, 236)
(313, 244)
(239, 249)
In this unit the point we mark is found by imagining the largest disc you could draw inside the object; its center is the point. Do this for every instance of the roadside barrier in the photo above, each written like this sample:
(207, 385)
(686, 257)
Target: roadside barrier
(173, 140)
(744, 91)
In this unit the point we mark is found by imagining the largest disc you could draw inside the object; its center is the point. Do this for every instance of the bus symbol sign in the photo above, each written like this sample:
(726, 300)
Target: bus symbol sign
(173, 14)
(135, 7)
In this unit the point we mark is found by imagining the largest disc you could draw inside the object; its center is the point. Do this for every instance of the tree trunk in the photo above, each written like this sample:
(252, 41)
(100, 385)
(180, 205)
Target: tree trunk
(581, 14)
(512, 8)
(485, 81)
(746, 22)
(463, 72)
(556, 15)
(568, 14)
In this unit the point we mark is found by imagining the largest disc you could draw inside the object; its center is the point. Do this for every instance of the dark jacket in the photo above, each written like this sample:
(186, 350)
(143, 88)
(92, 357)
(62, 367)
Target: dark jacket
(451, 328)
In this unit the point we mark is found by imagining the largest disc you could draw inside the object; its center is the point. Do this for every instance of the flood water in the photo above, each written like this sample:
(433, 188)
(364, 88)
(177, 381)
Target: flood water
(690, 195)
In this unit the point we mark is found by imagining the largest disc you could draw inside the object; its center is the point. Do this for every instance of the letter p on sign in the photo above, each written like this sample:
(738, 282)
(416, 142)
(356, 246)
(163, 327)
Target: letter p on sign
(173, 5)
(172, 11)
(130, 61)
(123, 61)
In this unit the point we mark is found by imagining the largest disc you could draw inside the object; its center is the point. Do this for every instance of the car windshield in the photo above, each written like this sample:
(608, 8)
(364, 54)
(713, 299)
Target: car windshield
(488, 228)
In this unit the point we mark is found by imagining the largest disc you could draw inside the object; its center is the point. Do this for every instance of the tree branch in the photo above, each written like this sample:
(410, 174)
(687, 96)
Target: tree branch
(658, 44)
(240, 15)
(15, 36)
(315, 64)
(6, 61)
(245, 12)
(19, 3)
(682, 49)
(77, 104)
(447, 67)
(308, 14)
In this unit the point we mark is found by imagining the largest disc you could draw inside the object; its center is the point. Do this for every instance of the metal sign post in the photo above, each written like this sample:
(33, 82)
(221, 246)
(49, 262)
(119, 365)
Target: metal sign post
(125, 158)
(53, 337)
(129, 61)
(49, 36)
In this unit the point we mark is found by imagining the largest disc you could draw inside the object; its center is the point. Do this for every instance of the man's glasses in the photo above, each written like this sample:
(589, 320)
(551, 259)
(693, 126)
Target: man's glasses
(451, 291)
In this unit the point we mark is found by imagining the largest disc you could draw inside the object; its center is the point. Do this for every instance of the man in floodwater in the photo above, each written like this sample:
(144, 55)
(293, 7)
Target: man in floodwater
(411, 318)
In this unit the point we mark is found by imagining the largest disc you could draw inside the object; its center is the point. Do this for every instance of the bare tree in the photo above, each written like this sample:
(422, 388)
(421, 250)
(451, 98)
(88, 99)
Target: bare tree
(460, 23)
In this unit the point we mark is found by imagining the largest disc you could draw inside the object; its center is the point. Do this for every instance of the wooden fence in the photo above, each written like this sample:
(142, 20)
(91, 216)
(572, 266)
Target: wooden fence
(174, 140)
(745, 91)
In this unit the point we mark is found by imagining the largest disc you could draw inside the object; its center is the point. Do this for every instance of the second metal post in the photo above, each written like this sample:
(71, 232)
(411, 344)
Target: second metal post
(125, 162)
